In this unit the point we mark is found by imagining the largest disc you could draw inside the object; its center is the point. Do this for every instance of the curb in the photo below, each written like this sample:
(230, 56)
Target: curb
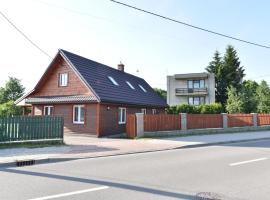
(55, 160)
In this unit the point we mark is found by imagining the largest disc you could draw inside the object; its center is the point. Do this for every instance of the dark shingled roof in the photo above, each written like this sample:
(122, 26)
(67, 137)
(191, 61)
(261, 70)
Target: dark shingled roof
(96, 75)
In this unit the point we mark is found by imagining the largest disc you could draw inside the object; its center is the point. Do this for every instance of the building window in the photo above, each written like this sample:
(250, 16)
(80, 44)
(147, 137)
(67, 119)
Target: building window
(154, 111)
(143, 89)
(130, 85)
(196, 83)
(144, 111)
(63, 79)
(121, 115)
(113, 81)
(196, 100)
(78, 114)
(48, 110)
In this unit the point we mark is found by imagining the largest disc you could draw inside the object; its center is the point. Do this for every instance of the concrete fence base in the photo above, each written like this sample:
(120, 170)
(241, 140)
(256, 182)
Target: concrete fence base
(185, 131)
(204, 131)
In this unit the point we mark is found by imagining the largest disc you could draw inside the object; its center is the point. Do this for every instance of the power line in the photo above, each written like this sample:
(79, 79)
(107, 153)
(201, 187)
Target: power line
(25, 36)
(190, 25)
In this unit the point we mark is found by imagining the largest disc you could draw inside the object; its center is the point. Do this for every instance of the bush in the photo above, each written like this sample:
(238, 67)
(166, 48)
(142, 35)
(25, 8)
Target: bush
(9, 109)
(215, 108)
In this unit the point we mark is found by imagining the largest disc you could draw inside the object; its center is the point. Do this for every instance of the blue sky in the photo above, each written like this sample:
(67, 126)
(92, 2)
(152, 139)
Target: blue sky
(109, 33)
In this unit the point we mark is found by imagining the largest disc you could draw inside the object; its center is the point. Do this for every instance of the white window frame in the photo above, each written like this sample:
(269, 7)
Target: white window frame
(79, 114)
(50, 110)
(130, 85)
(144, 111)
(113, 80)
(63, 79)
(201, 102)
(154, 111)
(143, 89)
(121, 120)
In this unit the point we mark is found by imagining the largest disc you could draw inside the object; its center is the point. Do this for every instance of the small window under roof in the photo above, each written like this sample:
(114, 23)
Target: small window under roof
(130, 85)
(142, 88)
(113, 81)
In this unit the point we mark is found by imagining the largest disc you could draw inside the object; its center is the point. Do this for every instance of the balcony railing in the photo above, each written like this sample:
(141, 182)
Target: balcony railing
(190, 91)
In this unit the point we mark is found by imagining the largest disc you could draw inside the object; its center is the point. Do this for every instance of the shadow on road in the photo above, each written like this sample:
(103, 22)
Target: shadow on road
(105, 183)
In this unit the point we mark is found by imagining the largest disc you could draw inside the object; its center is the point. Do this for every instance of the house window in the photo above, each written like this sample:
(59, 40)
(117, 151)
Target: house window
(78, 114)
(113, 81)
(63, 79)
(143, 89)
(154, 111)
(121, 115)
(130, 85)
(144, 111)
(196, 83)
(48, 110)
(196, 100)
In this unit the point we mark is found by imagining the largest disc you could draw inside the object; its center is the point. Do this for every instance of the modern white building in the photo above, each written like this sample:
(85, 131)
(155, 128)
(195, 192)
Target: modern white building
(193, 89)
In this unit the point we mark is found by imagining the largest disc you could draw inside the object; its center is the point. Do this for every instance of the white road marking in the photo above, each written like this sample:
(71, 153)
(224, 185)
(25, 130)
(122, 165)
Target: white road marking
(247, 161)
(71, 193)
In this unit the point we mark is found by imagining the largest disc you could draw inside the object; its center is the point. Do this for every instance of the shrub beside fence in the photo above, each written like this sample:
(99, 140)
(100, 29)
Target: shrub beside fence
(200, 121)
(30, 128)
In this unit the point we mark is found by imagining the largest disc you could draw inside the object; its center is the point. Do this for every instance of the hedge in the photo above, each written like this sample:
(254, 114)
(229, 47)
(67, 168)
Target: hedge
(214, 108)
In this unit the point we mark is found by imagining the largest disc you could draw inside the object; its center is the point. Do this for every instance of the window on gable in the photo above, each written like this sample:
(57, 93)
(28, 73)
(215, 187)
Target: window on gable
(78, 114)
(113, 81)
(130, 85)
(121, 115)
(63, 79)
(143, 89)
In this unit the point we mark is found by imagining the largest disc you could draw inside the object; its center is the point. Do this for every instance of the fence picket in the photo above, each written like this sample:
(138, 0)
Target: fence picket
(30, 128)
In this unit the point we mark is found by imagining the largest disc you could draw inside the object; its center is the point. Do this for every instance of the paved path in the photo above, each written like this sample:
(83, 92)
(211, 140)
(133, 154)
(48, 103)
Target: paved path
(225, 172)
(88, 147)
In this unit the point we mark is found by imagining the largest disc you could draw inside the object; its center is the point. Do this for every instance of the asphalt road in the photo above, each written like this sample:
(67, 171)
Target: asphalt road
(234, 171)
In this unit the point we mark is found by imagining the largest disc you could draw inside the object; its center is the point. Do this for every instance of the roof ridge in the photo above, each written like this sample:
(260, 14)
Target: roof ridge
(100, 63)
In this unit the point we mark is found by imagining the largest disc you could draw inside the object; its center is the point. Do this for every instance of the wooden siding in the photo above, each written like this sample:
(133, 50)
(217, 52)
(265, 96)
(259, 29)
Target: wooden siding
(200, 121)
(240, 120)
(131, 126)
(162, 122)
(49, 83)
(263, 119)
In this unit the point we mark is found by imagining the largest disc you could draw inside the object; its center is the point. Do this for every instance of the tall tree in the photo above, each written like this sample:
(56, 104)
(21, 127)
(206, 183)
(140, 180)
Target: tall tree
(12, 91)
(233, 68)
(244, 100)
(235, 102)
(161, 93)
(215, 68)
(228, 72)
(249, 96)
(263, 96)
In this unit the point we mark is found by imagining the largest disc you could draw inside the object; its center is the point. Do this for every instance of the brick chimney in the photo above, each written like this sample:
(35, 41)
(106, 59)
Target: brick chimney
(121, 67)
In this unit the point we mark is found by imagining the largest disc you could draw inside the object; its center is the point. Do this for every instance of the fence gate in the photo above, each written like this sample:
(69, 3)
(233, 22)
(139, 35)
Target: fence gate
(131, 126)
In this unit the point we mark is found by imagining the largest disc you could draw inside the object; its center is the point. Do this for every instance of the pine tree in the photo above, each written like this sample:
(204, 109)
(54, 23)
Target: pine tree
(228, 72)
(263, 97)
